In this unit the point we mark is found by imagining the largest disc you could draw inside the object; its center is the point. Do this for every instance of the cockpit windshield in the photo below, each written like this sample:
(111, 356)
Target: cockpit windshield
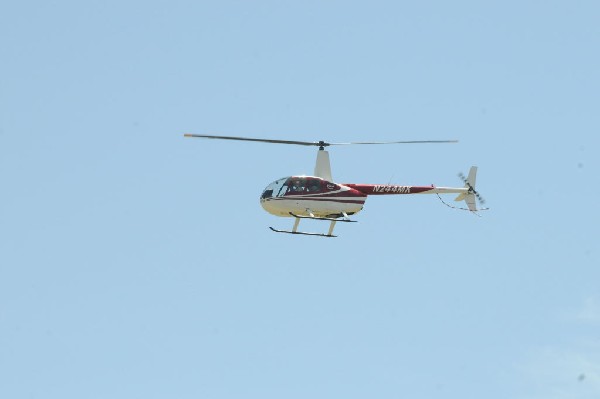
(276, 189)
(294, 186)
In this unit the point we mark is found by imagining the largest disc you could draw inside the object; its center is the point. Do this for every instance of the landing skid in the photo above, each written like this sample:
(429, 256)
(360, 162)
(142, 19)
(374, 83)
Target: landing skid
(297, 222)
(301, 232)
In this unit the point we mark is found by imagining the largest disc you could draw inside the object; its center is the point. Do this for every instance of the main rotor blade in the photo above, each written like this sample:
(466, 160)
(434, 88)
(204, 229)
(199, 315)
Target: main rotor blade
(398, 142)
(306, 143)
(315, 143)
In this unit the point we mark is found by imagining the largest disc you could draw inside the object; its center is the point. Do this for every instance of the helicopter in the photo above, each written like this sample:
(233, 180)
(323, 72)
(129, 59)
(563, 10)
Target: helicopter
(318, 197)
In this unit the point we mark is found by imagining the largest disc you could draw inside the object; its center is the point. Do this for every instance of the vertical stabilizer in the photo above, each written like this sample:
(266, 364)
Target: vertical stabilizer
(472, 176)
(323, 167)
(470, 197)
(471, 202)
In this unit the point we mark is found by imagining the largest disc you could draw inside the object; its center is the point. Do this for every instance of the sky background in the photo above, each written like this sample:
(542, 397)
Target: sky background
(135, 263)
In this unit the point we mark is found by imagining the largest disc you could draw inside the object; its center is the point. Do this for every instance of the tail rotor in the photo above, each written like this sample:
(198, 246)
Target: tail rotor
(471, 186)
(471, 197)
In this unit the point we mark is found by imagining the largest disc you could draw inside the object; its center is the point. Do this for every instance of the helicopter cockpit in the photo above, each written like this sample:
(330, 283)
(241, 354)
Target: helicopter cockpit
(296, 185)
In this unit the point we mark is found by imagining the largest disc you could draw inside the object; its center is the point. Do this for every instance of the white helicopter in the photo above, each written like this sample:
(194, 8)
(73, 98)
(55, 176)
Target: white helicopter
(318, 197)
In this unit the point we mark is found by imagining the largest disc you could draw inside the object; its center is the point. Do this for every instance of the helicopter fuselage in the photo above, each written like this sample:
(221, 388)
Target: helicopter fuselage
(311, 196)
(316, 197)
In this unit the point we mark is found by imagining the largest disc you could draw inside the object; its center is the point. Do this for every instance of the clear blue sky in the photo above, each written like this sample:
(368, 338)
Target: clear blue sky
(135, 263)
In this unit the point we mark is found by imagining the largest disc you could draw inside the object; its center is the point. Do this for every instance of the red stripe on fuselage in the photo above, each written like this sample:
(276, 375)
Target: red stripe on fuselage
(319, 199)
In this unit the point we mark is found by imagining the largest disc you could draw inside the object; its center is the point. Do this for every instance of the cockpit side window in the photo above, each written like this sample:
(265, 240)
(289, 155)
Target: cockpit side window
(297, 185)
(313, 185)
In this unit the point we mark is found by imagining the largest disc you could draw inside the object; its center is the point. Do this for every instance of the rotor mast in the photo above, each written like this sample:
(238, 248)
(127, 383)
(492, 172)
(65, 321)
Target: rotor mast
(323, 166)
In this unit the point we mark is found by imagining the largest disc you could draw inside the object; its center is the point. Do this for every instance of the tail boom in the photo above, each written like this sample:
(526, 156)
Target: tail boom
(388, 189)
(466, 193)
